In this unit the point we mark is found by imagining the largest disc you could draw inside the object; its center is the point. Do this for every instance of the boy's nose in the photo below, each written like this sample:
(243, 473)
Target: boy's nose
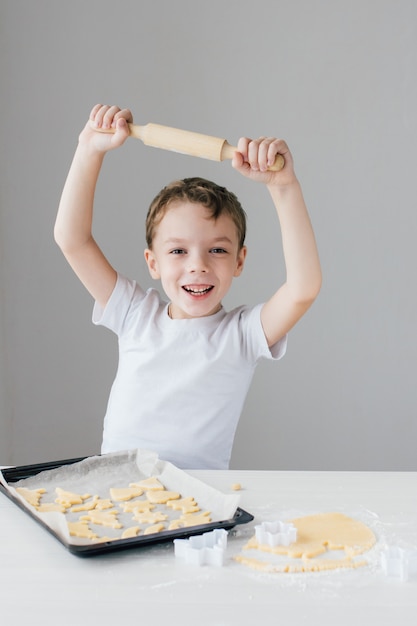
(197, 263)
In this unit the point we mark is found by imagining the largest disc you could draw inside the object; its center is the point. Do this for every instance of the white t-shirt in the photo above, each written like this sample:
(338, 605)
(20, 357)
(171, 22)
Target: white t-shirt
(181, 383)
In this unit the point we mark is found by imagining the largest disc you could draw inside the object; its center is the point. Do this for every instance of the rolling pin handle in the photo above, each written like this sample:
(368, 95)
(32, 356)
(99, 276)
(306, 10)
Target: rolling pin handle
(136, 131)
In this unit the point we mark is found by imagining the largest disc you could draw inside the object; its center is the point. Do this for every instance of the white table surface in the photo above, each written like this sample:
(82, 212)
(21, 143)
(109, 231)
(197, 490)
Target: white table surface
(42, 583)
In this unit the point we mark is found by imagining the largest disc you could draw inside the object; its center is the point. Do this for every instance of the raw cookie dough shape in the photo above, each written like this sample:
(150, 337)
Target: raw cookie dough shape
(67, 498)
(125, 493)
(150, 517)
(185, 505)
(156, 528)
(51, 507)
(317, 534)
(81, 529)
(149, 484)
(32, 496)
(132, 531)
(190, 519)
(96, 503)
(87, 506)
(104, 503)
(103, 518)
(137, 506)
(105, 539)
(162, 497)
(195, 519)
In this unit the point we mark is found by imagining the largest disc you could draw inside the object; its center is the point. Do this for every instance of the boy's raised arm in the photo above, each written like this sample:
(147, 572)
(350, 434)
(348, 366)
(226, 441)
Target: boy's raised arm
(303, 281)
(73, 225)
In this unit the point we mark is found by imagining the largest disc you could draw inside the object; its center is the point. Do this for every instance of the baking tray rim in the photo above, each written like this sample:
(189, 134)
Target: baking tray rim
(14, 474)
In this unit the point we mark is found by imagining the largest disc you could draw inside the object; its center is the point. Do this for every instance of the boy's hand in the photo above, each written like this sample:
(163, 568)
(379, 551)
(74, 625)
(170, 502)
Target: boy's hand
(254, 156)
(103, 117)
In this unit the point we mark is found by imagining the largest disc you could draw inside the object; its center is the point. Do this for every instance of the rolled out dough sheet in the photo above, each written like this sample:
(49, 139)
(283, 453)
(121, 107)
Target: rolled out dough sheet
(317, 535)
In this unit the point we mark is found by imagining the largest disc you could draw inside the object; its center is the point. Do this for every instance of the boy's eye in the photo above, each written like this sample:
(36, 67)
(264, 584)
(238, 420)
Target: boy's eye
(177, 251)
(218, 250)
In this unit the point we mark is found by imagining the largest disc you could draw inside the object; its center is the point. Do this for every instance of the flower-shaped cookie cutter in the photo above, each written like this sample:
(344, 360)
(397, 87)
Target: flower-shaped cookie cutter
(206, 549)
(275, 533)
(399, 563)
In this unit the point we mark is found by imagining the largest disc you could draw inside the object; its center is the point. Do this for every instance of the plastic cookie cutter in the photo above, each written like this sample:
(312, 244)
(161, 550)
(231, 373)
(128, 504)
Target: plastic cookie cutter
(206, 549)
(275, 533)
(399, 563)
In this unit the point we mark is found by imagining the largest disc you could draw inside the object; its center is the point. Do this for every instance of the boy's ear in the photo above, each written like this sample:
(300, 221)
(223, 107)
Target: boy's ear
(152, 264)
(240, 262)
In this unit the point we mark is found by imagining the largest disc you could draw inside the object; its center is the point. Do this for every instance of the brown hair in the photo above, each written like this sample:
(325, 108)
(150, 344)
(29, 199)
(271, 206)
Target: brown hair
(217, 199)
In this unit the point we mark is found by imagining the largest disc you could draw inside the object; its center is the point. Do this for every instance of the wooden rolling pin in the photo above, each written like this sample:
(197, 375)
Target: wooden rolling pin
(186, 142)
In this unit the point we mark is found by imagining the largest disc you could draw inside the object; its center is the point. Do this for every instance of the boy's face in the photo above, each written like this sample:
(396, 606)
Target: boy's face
(196, 258)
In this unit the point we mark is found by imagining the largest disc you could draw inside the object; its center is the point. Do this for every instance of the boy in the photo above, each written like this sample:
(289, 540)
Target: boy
(185, 365)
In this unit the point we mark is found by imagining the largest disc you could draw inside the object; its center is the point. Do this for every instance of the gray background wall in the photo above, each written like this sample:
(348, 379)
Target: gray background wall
(338, 81)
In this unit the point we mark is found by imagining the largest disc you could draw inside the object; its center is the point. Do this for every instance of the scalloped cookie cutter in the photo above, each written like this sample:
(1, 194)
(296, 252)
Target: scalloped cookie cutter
(275, 533)
(399, 563)
(206, 549)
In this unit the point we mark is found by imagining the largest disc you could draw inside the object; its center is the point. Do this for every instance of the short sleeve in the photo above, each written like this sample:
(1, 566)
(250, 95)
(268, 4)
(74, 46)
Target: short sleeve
(114, 313)
(257, 344)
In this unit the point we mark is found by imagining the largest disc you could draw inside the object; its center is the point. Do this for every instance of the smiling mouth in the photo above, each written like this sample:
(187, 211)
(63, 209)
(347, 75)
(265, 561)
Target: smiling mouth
(198, 290)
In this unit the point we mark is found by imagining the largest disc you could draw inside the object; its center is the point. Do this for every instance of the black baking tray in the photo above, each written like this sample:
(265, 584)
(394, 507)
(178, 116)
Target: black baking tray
(14, 474)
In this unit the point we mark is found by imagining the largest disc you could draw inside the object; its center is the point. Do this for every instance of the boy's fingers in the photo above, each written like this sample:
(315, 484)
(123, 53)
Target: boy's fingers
(108, 119)
(242, 146)
(263, 153)
(104, 115)
(124, 114)
(121, 127)
(94, 111)
(238, 160)
(100, 113)
(121, 132)
(257, 153)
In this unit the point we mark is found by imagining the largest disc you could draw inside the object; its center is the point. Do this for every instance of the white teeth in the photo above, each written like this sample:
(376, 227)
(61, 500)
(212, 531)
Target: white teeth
(203, 290)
